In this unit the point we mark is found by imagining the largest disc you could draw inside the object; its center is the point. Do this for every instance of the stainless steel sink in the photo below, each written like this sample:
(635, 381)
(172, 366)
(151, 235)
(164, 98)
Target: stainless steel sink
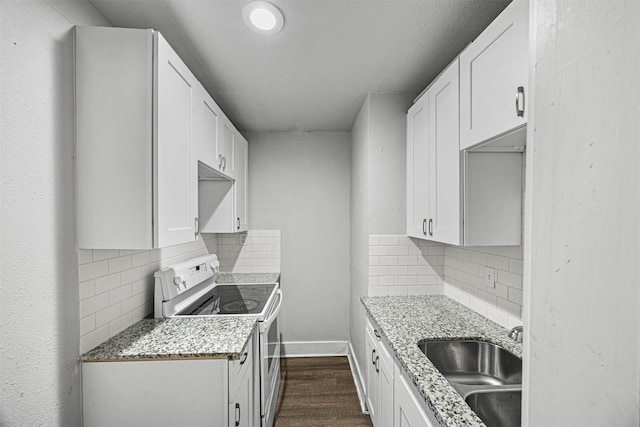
(486, 375)
(497, 408)
(473, 362)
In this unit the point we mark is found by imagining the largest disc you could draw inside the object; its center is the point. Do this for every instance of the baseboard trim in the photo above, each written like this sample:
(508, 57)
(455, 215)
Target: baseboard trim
(314, 348)
(358, 379)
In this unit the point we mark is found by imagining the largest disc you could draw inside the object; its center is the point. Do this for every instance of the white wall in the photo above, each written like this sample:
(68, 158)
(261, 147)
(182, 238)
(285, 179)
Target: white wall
(299, 184)
(359, 215)
(378, 192)
(582, 345)
(39, 335)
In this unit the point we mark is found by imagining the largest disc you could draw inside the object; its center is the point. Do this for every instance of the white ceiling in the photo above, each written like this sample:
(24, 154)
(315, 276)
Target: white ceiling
(315, 74)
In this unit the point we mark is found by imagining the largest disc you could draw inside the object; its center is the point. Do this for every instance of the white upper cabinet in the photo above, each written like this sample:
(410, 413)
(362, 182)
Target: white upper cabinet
(223, 203)
(209, 123)
(226, 148)
(417, 172)
(241, 172)
(216, 143)
(135, 141)
(444, 158)
(176, 174)
(494, 77)
(433, 162)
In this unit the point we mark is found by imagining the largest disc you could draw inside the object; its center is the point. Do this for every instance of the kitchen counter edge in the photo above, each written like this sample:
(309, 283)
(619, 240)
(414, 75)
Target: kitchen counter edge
(403, 321)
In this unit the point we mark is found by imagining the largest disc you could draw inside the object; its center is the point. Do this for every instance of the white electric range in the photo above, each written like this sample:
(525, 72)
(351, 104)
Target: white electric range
(189, 289)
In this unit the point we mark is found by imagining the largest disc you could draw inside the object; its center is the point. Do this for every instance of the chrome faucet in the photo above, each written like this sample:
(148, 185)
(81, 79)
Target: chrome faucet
(516, 334)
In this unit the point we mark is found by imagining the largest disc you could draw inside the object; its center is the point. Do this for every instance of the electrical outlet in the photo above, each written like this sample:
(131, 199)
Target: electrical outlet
(490, 277)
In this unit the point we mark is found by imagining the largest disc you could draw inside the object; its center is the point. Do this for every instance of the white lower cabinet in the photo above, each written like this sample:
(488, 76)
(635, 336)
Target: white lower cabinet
(409, 408)
(241, 391)
(190, 392)
(391, 398)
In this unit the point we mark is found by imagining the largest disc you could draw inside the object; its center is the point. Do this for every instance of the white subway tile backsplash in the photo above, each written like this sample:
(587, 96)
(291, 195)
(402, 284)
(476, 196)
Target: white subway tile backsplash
(130, 276)
(400, 270)
(388, 280)
(87, 324)
(106, 283)
(425, 267)
(120, 324)
(93, 270)
(119, 294)
(398, 291)
(87, 289)
(85, 256)
(389, 240)
(102, 254)
(108, 314)
(119, 264)
(116, 286)
(255, 251)
(94, 304)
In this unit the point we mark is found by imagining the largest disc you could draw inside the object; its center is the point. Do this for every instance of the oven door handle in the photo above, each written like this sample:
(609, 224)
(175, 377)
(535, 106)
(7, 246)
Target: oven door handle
(266, 323)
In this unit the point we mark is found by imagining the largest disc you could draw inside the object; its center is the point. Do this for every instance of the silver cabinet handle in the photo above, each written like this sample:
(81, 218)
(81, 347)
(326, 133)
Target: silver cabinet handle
(424, 226)
(220, 161)
(196, 226)
(244, 358)
(373, 357)
(225, 163)
(238, 221)
(519, 95)
(238, 414)
(377, 334)
(376, 364)
(431, 227)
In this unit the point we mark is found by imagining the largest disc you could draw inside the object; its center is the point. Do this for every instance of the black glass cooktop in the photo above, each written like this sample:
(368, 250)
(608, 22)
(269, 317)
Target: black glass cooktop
(231, 299)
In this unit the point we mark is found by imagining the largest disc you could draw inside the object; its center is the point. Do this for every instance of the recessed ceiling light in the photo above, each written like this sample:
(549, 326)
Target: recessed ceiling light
(262, 17)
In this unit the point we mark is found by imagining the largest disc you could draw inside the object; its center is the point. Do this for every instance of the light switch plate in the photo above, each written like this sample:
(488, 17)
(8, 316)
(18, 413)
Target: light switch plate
(490, 277)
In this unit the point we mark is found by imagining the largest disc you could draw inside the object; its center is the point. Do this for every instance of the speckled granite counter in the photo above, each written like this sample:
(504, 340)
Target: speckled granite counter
(403, 321)
(223, 337)
(223, 278)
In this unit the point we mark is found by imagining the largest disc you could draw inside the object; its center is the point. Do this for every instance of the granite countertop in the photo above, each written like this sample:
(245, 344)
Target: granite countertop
(224, 278)
(220, 337)
(403, 321)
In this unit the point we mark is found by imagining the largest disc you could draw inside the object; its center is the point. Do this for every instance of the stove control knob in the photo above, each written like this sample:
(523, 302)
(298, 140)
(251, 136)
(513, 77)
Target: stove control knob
(179, 280)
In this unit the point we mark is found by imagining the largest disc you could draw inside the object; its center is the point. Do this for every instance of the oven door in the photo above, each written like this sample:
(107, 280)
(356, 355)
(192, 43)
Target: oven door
(270, 363)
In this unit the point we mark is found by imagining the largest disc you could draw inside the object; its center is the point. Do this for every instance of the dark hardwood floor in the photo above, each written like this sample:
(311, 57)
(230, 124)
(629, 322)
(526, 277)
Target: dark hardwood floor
(318, 391)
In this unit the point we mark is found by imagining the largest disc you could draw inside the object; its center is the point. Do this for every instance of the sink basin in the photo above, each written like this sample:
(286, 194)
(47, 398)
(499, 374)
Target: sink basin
(497, 408)
(472, 362)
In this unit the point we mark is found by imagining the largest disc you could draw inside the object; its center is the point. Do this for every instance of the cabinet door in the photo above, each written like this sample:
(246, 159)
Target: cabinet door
(241, 184)
(373, 384)
(492, 68)
(417, 177)
(209, 121)
(241, 403)
(175, 183)
(226, 147)
(241, 391)
(385, 407)
(408, 410)
(444, 158)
